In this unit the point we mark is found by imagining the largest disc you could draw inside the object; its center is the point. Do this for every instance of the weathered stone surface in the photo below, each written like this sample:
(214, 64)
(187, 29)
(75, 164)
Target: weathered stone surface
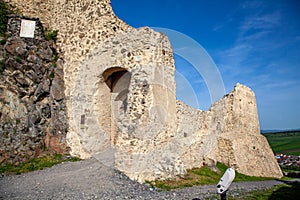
(16, 46)
(58, 84)
(56, 143)
(229, 133)
(27, 117)
(120, 96)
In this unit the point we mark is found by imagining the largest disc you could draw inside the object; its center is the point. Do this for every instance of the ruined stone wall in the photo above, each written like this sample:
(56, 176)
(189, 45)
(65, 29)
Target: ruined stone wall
(32, 106)
(240, 143)
(192, 129)
(132, 51)
(120, 96)
(228, 133)
(82, 26)
(91, 40)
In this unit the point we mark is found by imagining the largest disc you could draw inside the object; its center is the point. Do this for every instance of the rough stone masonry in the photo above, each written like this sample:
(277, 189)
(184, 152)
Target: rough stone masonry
(32, 105)
(120, 97)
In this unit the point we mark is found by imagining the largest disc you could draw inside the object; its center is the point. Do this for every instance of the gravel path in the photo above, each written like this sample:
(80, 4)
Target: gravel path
(90, 179)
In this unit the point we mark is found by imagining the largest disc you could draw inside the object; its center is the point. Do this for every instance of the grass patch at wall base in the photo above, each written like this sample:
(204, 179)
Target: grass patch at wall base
(201, 176)
(36, 164)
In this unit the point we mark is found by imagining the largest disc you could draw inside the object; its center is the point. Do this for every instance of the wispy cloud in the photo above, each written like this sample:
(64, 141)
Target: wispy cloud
(265, 56)
(260, 42)
(277, 84)
(260, 22)
(251, 4)
(218, 27)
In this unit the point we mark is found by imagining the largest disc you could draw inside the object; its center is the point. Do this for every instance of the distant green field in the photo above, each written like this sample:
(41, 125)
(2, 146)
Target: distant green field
(284, 142)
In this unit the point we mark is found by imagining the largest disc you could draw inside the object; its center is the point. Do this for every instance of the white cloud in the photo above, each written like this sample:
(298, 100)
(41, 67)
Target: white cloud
(265, 57)
(279, 84)
(260, 22)
(251, 4)
(218, 27)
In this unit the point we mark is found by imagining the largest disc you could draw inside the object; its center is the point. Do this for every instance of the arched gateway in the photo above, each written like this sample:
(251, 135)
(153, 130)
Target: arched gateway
(117, 80)
(118, 94)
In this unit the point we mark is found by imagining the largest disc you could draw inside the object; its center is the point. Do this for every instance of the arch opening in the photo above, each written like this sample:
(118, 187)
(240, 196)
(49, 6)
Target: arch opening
(117, 80)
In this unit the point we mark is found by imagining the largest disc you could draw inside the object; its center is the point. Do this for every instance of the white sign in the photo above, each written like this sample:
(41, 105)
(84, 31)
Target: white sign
(226, 180)
(27, 28)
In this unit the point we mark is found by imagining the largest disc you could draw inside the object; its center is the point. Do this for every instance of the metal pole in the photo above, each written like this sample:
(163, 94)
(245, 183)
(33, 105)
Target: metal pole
(223, 196)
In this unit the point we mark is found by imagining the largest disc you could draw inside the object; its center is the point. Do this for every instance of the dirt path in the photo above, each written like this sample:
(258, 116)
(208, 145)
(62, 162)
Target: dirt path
(90, 179)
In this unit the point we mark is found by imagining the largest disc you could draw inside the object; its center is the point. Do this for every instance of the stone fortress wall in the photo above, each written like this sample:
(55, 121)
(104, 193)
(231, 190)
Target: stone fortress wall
(120, 96)
(32, 106)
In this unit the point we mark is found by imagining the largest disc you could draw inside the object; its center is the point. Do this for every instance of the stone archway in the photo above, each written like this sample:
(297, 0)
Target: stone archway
(117, 80)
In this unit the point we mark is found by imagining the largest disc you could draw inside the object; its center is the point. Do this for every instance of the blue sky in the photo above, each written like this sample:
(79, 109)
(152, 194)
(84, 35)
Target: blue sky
(256, 43)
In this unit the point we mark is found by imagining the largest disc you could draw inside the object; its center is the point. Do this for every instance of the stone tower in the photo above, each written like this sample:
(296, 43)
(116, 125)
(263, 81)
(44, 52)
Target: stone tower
(122, 108)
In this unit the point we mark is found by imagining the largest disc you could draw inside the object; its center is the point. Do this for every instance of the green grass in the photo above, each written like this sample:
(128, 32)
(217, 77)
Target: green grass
(51, 35)
(201, 176)
(285, 142)
(279, 192)
(36, 164)
(2, 67)
(4, 11)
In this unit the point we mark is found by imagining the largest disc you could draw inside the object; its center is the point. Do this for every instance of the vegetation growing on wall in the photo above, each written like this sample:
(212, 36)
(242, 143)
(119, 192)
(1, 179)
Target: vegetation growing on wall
(51, 35)
(4, 11)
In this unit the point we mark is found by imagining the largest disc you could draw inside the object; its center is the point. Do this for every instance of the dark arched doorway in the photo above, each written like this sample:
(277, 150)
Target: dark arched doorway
(117, 79)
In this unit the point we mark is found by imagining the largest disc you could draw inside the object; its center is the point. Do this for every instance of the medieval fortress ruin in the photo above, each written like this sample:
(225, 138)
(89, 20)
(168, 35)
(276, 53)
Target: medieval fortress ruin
(121, 102)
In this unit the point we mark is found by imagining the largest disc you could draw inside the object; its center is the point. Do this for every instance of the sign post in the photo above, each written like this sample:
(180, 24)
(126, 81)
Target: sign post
(225, 182)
